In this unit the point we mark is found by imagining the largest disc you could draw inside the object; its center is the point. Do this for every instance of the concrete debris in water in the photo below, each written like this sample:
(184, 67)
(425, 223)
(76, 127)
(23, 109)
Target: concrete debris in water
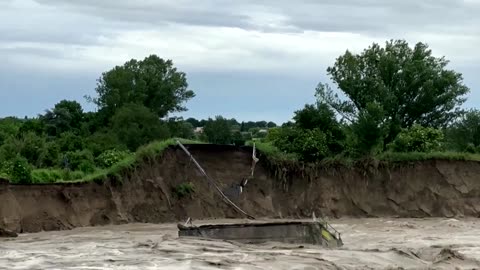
(292, 232)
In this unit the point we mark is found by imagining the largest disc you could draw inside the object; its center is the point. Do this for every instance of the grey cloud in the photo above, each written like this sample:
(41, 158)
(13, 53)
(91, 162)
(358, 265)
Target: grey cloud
(382, 16)
(30, 51)
(210, 13)
(369, 16)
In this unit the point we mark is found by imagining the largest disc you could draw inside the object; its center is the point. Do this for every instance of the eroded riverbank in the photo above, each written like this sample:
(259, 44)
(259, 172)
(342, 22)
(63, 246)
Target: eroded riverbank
(369, 244)
(148, 192)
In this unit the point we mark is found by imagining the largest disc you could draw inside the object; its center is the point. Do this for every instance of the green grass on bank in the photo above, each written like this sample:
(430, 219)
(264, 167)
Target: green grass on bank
(150, 151)
(276, 155)
(416, 156)
(272, 152)
(154, 149)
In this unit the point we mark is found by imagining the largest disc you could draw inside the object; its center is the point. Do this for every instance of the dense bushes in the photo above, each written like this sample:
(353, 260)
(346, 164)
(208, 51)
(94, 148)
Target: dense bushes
(20, 171)
(111, 157)
(309, 145)
(418, 139)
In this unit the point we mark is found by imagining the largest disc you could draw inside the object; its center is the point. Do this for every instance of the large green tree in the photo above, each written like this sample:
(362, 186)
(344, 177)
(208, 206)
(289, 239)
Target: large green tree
(407, 85)
(153, 82)
(322, 117)
(218, 130)
(66, 115)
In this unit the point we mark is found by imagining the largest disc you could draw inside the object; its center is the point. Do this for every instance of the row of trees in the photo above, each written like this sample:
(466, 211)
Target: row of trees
(133, 103)
(398, 98)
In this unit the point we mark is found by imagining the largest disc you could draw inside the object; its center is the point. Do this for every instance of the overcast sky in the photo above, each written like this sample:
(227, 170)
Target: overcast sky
(252, 60)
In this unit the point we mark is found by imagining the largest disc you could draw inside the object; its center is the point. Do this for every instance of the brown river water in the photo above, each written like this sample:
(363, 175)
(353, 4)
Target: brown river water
(368, 244)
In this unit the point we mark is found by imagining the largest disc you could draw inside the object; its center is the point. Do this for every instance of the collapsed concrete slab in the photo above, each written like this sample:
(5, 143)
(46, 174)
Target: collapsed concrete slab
(293, 232)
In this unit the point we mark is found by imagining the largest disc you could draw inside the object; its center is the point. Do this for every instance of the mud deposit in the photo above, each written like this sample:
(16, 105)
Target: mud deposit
(369, 244)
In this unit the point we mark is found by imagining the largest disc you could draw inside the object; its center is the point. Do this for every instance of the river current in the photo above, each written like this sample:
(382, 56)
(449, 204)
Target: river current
(368, 244)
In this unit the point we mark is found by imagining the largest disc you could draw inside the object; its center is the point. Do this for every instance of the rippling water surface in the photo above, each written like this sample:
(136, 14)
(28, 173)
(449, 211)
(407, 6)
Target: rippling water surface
(368, 244)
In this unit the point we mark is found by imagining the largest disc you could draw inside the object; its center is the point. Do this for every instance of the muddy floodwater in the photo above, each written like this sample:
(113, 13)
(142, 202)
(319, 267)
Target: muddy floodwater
(368, 244)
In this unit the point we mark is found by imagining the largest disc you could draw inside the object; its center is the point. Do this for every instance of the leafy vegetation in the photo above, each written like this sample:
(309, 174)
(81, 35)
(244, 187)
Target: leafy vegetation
(20, 171)
(418, 139)
(401, 103)
(183, 190)
(399, 99)
(273, 152)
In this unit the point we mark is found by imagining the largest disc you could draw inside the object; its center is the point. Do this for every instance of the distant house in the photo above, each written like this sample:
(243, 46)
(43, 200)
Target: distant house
(263, 131)
(198, 130)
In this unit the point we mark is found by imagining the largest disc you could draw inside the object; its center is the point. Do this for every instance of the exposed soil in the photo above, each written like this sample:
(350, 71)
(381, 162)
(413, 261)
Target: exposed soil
(421, 189)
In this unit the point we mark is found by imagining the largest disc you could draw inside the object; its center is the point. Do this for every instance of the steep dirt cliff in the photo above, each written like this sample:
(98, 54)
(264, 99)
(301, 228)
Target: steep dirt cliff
(146, 193)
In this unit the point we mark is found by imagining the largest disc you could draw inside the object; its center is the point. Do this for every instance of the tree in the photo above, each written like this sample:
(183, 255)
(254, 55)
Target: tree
(195, 123)
(180, 128)
(69, 141)
(218, 131)
(237, 138)
(271, 124)
(369, 130)
(9, 127)
(309, 144)
(32, 148)
(102, 141)
(465, 132)
(135, 125)
(409, 85)
(34, 125)
(321, 116)
(65, 116)
(152, 82)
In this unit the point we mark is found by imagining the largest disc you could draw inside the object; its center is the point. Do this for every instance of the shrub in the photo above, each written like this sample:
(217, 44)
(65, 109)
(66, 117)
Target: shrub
(32, 147)
(69, 141)
(73, 160)
(273, 134)
(86, 166)
(418, 139)
(309, 145)
(21, 172)
(238, 139)
(110, 157)
(183, 189)
(49, 156)
(470, 148)
(102, 141)
(6, 168)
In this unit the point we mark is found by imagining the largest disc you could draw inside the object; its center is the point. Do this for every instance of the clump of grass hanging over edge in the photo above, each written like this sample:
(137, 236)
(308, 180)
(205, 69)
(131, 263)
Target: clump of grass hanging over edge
(272, 152)
(149, 151)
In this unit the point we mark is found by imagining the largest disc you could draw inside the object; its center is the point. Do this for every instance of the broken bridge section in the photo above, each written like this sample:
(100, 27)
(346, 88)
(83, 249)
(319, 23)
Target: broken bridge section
(292, 232)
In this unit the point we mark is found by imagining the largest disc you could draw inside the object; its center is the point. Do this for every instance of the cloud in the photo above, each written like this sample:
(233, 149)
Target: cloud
(276, 50)
(298, 38)
(84, 42)
(370, 16)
